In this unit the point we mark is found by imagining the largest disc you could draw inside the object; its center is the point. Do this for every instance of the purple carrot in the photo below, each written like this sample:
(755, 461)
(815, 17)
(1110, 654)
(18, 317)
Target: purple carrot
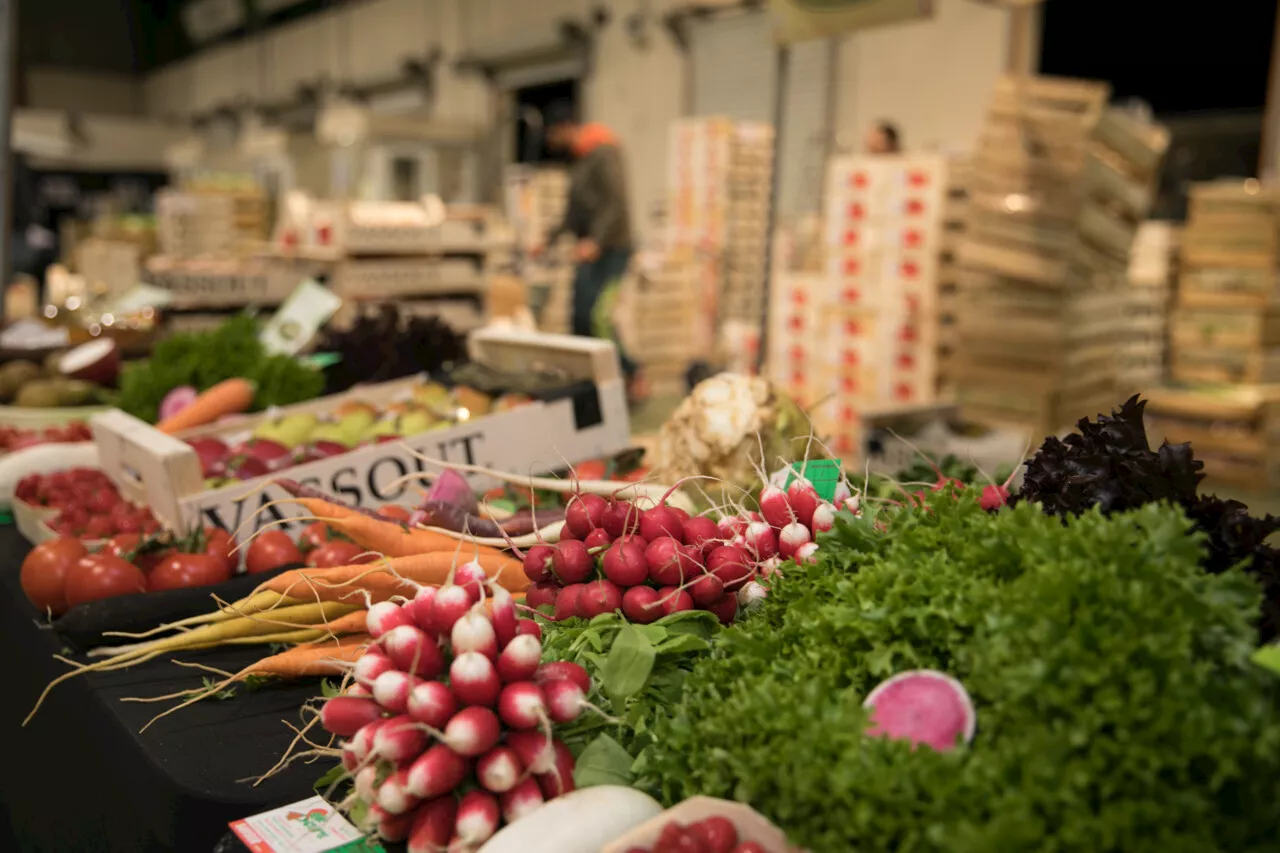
(450, 517)
(450, 487)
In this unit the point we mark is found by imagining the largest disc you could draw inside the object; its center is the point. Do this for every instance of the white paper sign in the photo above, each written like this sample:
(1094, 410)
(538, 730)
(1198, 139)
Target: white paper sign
(308, 826)
(307, 309)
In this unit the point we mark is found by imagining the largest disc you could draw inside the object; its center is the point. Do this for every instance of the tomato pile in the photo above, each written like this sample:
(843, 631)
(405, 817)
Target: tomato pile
(88, 503)
(12, 438)
(711, 835)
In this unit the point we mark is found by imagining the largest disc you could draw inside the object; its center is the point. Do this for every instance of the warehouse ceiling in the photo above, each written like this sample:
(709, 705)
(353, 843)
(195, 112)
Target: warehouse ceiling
(129, 36)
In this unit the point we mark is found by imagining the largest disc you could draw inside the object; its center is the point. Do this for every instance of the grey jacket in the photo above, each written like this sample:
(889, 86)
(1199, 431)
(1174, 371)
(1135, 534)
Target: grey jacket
(598, 207)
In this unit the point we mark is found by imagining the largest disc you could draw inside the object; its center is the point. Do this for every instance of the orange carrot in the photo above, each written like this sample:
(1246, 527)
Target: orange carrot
(228, 397)
(424, 569)
(325, 658)
(386, 537)
(354, 622)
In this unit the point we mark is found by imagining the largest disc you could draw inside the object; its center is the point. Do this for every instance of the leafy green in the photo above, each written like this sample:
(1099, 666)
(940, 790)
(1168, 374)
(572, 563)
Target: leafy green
(1117, 707)
(203, 359)
(1110, 464)
(639, 673)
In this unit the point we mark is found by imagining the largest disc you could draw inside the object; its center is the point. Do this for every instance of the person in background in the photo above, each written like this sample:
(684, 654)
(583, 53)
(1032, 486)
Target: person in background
(883, 138)
(598, 217)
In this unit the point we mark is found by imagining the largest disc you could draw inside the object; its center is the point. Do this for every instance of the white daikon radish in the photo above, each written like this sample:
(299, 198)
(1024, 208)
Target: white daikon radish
(581, 822)
(43, 459)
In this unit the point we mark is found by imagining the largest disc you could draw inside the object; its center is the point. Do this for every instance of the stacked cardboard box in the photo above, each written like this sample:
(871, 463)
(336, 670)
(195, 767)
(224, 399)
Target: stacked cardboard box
(1226, 326)
(861, 332)
(536, 201)
(719, 190)
(954, 216)
(1058, 188)
(1142, 351)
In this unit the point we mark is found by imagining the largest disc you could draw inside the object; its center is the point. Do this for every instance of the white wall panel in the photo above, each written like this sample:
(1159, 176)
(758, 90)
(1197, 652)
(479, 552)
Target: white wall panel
(807, 128)
(301, 54)
(638, 90)
(223, 75)
(933, 78)
(384, 33)
(734, 66)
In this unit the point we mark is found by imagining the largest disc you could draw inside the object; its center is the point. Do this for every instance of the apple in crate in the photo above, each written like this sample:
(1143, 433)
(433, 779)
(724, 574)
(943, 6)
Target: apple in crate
(273, 455)
(213, 455)
(320, 450)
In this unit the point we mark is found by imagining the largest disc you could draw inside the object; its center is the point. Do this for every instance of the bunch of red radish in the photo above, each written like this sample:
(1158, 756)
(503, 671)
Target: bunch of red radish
(449, 722)
(655, 561)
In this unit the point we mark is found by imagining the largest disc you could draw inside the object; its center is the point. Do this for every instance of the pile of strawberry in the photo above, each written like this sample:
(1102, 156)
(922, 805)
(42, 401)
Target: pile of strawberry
(449, 724)
(89, 505)
(652, 562)
(13, 438)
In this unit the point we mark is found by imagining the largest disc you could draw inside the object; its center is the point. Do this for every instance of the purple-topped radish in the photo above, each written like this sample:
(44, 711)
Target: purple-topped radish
(924, 707)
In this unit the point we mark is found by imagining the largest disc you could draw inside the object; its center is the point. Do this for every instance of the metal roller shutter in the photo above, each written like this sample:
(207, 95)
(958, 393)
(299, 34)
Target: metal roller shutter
(804, 138)
(734, 64)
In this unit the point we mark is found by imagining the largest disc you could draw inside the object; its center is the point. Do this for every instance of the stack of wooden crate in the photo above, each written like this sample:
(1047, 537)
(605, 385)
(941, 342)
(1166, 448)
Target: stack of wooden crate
(1234, 430)
(1058, 188)
(536, 202)
(954, 216)
(1226, 325)
(860, 333)
(719, 190)
(1141, 353)
(211, 222)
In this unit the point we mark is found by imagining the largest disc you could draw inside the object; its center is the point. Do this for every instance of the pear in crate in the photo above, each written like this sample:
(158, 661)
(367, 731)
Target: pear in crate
(357, 425)
(477, 403)
(333, 432)
(434, 396)
(353, 406)
(289, 430)
(385, 429)
(419, 421)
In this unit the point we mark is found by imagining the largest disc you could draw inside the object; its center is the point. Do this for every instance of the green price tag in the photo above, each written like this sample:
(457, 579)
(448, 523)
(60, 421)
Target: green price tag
(363, 845)
(824, 474)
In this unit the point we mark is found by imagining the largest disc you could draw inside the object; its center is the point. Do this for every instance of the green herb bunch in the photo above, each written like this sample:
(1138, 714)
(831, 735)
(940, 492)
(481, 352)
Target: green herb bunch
(1117, 708)
(203, 359)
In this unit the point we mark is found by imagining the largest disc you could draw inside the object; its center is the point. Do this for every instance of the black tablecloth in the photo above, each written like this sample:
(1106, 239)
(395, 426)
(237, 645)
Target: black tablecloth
(81, 777)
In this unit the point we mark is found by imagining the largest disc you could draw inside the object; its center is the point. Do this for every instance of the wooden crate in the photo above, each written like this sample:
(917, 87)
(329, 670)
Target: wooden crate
(226, 283)
(1228, 287)
(397, 278)
(1142, 145)
(1235, 430)
(1247, 243)
(1231, 200)
(1196, 364)
(1225, 327)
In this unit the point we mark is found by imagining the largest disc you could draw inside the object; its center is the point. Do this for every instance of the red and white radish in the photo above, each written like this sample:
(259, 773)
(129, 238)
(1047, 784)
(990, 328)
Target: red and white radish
(395, 827)
(519, 660)
(432, 703)
(702, 533)
(433, 825)
(503, 616)
(563, 670)
(751, 595)
(661, 521)
(565, 700)
(791, 537)
(473, 731)
(399, 739)
(371, 665)
(471, 577)
(365, 783)
(760, 539)
(474, 679)
(542, 593)
(450, 604)
(478, 818)
(419, 609)
(668, 561)
(537, 562)
(436, 772)
(394, 796)
(413, 651)
(732, 565)
(803, 500)
(392, 690)
(597, 540)
(529, 628)
(384, 616)
(567, 602)
(474, 633)
(522, 800)
(621, 518)
(807, 554)
(673, 599)
(522, 706)
(535, 750)
(706, 589)
(774, 507)
(725, 609)
(824, 518)
(559, 780)
(345, 715)
(499, 770)
(361, 743)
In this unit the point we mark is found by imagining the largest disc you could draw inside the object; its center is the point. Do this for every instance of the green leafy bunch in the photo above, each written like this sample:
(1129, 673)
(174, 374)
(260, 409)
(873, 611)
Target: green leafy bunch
(203, 359)
(639, 673)
(1117, 709)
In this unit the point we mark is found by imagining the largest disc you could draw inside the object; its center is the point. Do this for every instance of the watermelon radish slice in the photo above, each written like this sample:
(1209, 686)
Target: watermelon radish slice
(924, 707)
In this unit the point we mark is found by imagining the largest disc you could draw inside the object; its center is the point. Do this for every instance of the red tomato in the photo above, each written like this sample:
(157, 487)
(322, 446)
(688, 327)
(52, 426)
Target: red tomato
(181, 571)
(44, 573)
(637, 475)
(591, 470)
(220, 544)
(269, 550)
(314, 535)
(338, 553)
(102, 576)
(98, 527)
(125, 546)
(395, 512)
